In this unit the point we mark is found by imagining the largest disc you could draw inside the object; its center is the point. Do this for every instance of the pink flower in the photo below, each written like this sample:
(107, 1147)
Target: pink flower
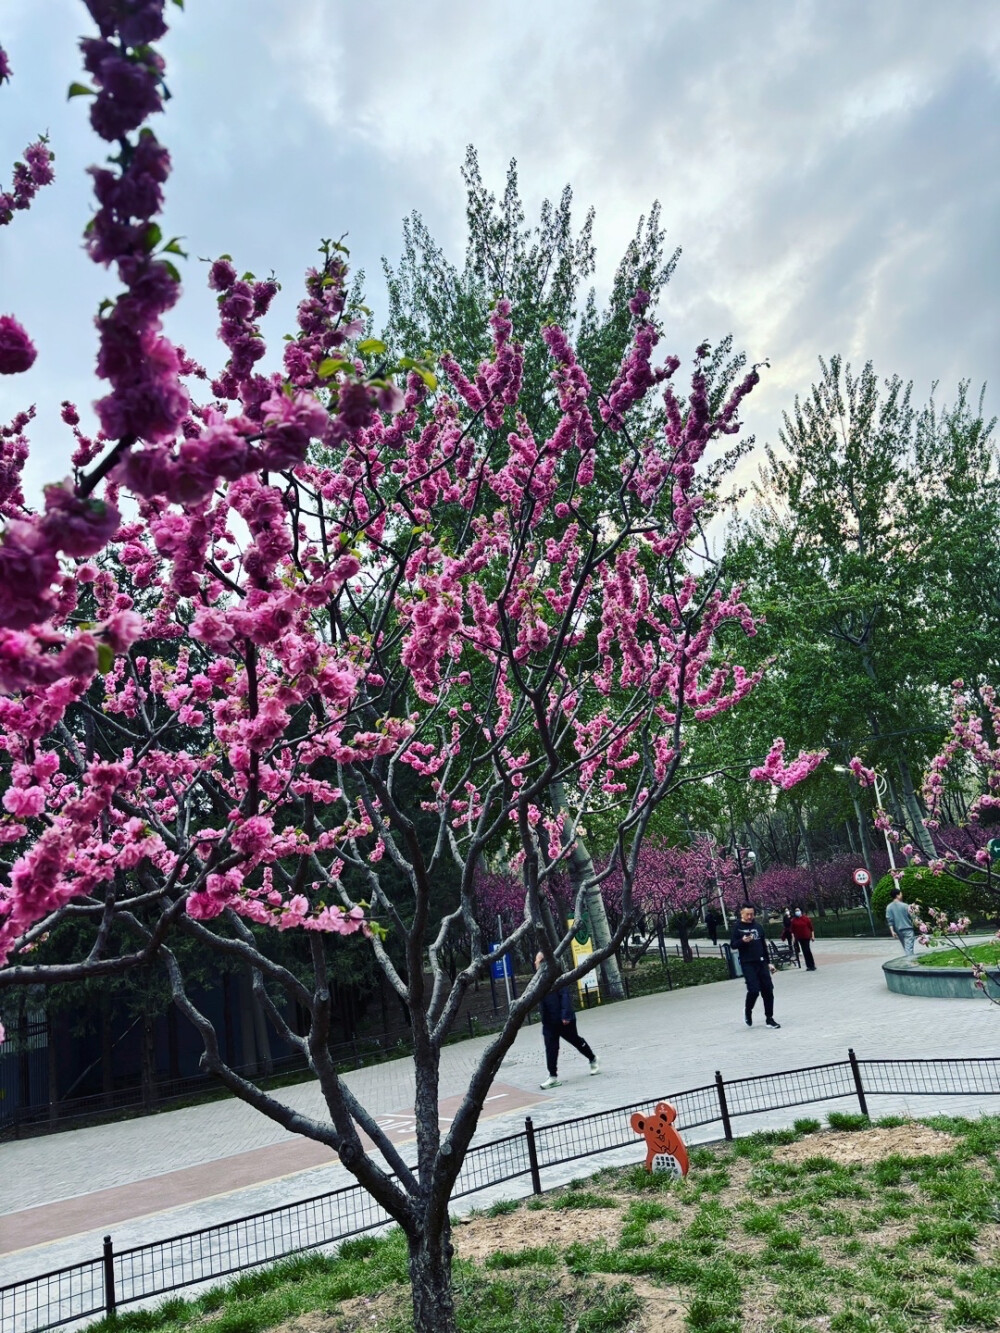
(17, 351)
(80, 527)
(24, 802)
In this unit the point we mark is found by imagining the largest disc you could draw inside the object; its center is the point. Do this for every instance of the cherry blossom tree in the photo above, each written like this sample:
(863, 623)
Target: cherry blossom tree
(674, 885)
(968, 763)
(273, 616)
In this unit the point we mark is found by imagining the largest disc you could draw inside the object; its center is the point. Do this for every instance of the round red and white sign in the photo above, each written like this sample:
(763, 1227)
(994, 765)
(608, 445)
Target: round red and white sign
(861, 877)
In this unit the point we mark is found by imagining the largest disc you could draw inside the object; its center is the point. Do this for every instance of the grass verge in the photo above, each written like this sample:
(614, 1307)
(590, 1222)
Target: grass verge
(850, 1230)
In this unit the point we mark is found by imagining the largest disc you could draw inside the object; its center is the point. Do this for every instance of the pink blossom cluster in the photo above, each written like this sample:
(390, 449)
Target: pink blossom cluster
(782, 775)
(17, 351)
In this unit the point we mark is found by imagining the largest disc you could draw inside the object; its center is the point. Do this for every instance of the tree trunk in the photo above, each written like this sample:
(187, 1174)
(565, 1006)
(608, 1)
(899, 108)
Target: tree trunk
(173, 1044)
(264, 1061)
(227, 1018)
(107, 1050)
(50, 1038)
(681, 924)
(807, 848)
(581, 874)
(148, 1063)
(248, 1041)
(916, 820)
(430, 1279)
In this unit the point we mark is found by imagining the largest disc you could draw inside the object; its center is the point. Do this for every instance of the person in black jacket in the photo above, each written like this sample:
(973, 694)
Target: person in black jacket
(712, 925)
(559, 1020)
(749, 939)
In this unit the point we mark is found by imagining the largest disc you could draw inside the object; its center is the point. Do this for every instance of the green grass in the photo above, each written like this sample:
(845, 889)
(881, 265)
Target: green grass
(803, 1244)
(844, 1121)
(988, 954)
(582, 1199)
(650, 977)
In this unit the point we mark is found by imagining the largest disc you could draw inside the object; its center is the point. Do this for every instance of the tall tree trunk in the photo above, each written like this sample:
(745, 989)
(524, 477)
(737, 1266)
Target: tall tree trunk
(227, 1018)
(53, 1060)
(173, 1044)
(899, 812)
(916, 815)
(581, 875)
(807, 848)
(263, 1037)
(23, 1054)
(850, 837)
(430, 1279)
(148, 1062)
(248, 1041)
(681, 925)
(107, 1050)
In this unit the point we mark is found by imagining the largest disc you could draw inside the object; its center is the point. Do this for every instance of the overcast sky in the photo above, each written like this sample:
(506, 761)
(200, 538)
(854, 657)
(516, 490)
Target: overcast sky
(830, 170)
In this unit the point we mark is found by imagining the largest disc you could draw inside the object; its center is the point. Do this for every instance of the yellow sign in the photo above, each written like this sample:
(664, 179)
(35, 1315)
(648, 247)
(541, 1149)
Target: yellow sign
(582, 947)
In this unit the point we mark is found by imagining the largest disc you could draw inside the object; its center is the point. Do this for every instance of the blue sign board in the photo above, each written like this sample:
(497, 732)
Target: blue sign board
(502, 967)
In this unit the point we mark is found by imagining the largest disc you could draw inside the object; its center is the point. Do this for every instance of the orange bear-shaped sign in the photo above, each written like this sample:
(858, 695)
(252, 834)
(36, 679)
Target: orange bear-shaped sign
(665, 1149)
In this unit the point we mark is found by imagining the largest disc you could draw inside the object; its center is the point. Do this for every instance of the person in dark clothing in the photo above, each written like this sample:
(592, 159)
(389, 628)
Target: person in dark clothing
(559, 1021)
(712, 925)
(749, 940)
(803, 934)
(786, 933)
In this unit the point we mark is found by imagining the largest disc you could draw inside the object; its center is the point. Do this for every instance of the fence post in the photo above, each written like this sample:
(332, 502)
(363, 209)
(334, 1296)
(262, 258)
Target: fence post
(858, 1085)
(109, 1277)
(529, 1133)
(720, 1089)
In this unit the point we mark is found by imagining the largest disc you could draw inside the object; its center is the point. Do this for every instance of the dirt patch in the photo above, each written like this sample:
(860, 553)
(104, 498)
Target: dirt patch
(375, 1313)
(867, 1146)
(528, 1229)
(662, 1311)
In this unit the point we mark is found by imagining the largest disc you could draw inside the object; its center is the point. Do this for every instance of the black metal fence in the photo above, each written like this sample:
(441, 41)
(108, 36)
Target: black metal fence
(116, 1277)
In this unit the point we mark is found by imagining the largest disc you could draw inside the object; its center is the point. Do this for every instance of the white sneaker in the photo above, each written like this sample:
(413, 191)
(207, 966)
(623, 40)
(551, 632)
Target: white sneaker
(595, 1065)
(550, 1082)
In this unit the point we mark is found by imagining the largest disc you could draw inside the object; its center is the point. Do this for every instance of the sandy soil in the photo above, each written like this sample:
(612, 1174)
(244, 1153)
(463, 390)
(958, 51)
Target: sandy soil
(867, 1146)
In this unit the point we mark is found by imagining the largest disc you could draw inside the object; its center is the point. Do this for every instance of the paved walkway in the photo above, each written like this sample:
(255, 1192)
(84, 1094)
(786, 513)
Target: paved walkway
(159, 1175)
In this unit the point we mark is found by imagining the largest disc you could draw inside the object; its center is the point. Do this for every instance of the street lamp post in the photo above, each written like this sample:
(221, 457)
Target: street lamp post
(881, 787)
(751, 861)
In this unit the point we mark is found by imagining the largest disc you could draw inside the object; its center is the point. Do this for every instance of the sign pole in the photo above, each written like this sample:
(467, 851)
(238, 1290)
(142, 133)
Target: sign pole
(863, 880)
(507, 964)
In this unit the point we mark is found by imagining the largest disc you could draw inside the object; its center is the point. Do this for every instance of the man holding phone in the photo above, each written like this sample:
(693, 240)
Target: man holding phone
(749, 940)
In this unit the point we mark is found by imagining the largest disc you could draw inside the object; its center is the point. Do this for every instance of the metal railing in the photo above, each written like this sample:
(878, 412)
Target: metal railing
(118, 1277)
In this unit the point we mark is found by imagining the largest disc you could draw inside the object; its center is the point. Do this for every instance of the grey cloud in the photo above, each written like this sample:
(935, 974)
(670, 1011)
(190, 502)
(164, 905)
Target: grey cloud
(828, 169)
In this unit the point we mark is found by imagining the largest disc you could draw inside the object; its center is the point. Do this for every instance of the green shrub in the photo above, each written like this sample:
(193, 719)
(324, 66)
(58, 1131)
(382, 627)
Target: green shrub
(922, 886)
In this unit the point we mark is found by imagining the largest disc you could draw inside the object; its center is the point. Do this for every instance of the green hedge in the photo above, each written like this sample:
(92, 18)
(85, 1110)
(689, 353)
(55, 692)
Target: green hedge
(922, 886)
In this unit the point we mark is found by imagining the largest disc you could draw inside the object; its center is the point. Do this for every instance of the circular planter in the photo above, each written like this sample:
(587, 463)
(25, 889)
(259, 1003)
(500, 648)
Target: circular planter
(906, 976)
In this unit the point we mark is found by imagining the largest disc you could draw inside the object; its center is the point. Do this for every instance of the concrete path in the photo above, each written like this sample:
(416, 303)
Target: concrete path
(66, 1190)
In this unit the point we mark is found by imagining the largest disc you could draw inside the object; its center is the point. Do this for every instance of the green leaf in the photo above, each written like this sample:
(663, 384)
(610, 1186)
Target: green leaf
(428, 377)
(105, 658)
(371, 347)
(332, 366)
(80, 90)
(173, 247)
(172, 269)
(153, 236)
(179, 4)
